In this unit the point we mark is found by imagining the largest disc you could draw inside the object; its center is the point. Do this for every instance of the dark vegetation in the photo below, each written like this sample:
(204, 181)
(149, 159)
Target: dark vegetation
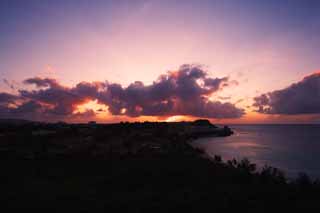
(139, 167)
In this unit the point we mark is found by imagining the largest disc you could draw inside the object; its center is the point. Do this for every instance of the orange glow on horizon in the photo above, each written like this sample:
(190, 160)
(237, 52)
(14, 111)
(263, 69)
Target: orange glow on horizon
(177, 118)
(102, 115)
(317, 72)
(100, 110)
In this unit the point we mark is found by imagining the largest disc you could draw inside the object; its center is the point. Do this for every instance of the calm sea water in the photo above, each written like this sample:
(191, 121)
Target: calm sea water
(291, 148)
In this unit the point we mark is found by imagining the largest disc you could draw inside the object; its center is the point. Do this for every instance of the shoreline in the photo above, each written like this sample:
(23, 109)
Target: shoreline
(139, 167)
(133, 139)
(228, 147)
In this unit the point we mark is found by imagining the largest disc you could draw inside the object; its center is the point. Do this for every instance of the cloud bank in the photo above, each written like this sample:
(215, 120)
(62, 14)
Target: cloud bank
(182, 92)
(299, 98)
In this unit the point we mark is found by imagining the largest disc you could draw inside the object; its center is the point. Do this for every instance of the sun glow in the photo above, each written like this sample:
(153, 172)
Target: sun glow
(100, 110)
(177, 118)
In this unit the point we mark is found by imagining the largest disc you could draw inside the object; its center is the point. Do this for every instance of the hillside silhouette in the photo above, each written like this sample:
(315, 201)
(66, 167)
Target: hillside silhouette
(136, 167)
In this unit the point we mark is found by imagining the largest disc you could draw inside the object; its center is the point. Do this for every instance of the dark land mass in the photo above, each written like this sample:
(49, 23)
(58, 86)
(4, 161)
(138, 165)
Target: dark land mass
(136, 167)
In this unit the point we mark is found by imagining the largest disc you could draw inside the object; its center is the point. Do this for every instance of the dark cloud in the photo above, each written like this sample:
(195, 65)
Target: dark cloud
(43, 82)
(12, 106)
(28, 107)
(6, 98)
(215, 83)
(60, 99)
(182, 92)
(299, 98)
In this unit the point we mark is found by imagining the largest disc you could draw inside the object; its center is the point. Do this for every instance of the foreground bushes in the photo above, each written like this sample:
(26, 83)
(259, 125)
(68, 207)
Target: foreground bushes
(162, 183)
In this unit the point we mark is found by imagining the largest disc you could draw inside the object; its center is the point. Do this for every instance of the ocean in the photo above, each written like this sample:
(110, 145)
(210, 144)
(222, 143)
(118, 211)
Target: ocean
(291, 148)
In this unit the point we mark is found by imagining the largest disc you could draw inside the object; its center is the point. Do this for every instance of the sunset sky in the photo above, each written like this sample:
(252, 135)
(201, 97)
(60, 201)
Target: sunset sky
(231, 61)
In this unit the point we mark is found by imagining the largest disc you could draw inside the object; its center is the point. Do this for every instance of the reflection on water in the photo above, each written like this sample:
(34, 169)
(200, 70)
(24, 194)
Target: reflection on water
(245, 144)
(292, 148)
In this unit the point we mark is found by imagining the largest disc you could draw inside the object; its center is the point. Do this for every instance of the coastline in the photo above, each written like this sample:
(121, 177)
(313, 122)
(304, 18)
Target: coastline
(280, 146)
(139, 167)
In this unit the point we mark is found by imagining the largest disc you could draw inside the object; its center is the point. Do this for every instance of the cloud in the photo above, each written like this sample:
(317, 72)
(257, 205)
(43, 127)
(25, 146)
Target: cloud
(240, 100)
(223, 98)
(182, 92)
(60, 100)
(9, 84)
(302, 97)
(43, 82)
(6, 98)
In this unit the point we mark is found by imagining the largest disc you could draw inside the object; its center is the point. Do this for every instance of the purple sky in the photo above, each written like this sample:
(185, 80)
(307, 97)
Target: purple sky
(260, 46)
